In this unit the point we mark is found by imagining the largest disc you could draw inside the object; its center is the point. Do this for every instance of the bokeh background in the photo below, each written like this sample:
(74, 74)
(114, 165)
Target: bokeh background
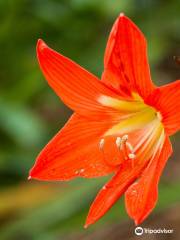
(30, 114)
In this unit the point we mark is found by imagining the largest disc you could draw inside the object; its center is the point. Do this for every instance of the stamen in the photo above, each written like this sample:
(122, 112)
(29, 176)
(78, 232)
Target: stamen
(101, 143)
(125, 138)
(118, 142)
(128, 144)
(124, 148)
(131, 155)
(128, 149)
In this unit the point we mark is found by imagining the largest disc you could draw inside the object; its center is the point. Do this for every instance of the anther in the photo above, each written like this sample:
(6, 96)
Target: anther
(118, 142)
(125, 138)
(101, 143)
(123, 147)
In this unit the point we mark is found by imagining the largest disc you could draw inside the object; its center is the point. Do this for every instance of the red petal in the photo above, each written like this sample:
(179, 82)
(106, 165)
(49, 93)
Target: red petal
(126, 64)
(141, 196)
(113, 190)
(79, 89)
(73, 152)
(166, 100)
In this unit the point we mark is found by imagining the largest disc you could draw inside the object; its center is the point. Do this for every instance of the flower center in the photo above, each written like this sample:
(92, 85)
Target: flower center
(140, 131)
(125, 150)
(136, 114)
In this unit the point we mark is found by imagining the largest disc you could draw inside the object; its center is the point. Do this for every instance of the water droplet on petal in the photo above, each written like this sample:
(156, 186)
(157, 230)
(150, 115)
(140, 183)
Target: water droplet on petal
(81, 170)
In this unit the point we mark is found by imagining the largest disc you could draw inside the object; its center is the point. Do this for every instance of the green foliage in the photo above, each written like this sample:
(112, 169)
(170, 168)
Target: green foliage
(30, 113)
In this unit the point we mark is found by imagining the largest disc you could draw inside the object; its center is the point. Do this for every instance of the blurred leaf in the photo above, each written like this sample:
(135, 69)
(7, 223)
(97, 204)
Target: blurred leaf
(66, 204)
(20, 124)
(30, 113)
(25, 196)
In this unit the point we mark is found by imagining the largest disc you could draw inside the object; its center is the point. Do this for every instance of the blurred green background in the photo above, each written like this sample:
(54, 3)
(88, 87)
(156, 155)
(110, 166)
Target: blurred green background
(30, 113)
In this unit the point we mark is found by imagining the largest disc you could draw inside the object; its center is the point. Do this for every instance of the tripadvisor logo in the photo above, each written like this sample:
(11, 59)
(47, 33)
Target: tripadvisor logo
(139, 231)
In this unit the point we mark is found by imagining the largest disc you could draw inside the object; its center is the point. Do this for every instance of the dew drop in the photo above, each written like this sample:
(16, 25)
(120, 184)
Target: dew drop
(81, 170)
(134, 192)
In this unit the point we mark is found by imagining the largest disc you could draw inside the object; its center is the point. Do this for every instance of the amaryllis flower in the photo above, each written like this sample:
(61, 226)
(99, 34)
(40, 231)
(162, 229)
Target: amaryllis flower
(121, 124)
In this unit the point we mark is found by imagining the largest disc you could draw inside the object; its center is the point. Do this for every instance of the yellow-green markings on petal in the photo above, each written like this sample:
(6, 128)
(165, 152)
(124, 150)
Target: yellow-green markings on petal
(136, 121)
(137, 97)
(160, 139)
(153, 144)
(138, 116)
(122, 105)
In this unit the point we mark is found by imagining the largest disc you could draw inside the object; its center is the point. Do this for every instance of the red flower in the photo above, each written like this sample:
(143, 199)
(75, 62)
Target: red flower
(121, 124)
